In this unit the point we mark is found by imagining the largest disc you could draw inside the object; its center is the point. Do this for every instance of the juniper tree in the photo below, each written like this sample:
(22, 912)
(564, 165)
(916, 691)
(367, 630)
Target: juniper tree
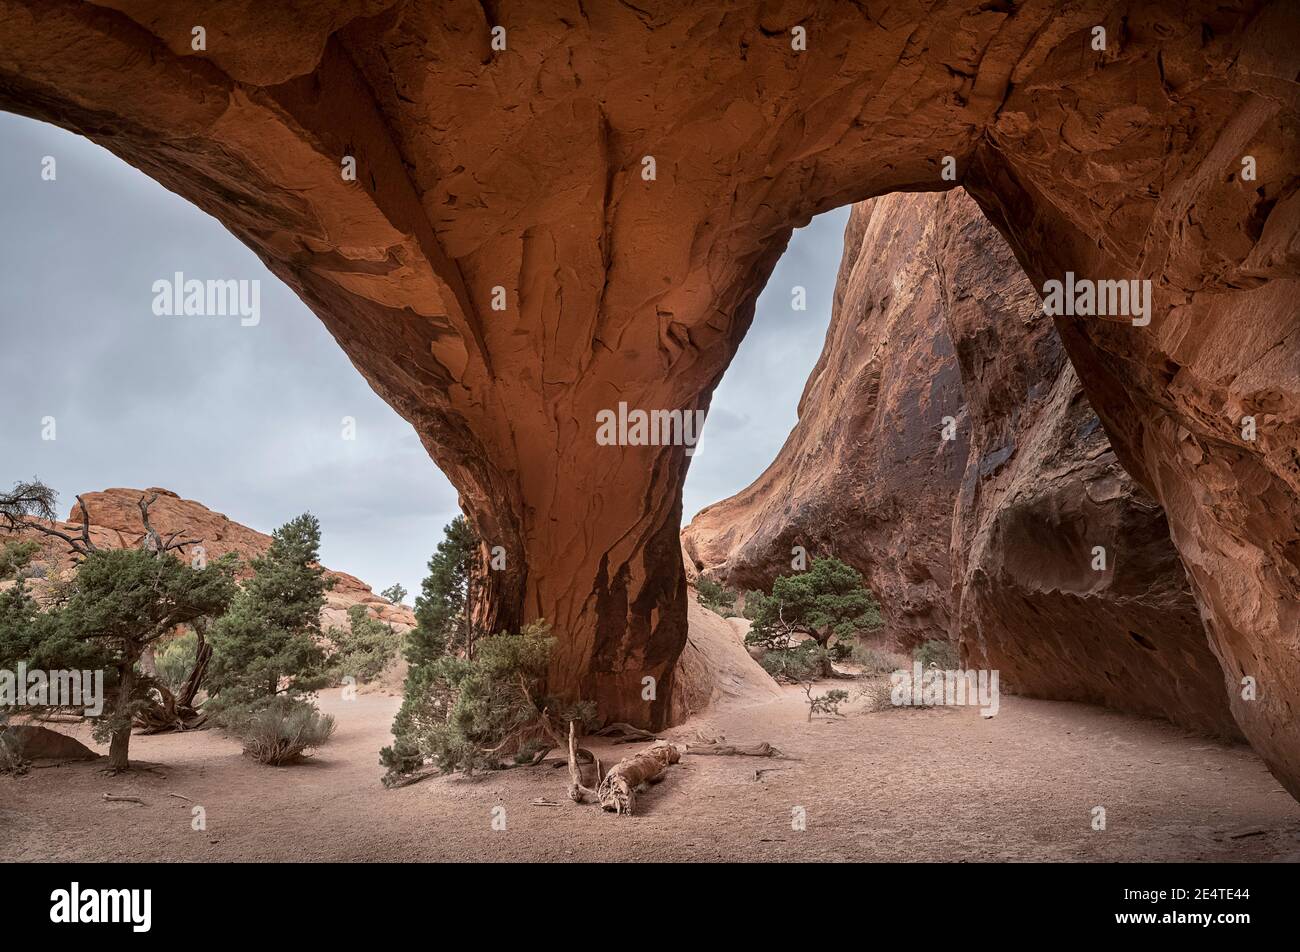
(827, 601)
(123, 600)
(471, 712)
(120, 602)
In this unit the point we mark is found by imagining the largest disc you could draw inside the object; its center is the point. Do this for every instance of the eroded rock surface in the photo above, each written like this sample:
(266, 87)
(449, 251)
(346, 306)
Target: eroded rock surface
(115, 523)
(865, 475)
(521, 170)
(1064, 575)
(1021, 494)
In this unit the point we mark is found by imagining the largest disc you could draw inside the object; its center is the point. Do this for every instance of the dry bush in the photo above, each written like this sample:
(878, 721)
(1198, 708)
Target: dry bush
(877, 692)
(879, 660)
(280, 732)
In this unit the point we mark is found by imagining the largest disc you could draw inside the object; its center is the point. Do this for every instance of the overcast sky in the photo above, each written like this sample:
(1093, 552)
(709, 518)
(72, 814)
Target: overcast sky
(246, 420)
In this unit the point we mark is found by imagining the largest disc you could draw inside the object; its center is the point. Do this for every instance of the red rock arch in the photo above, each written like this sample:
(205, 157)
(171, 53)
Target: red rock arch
(521, 169)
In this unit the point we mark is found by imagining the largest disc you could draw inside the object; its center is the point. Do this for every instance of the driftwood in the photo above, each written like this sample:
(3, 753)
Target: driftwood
(715, 749)
(394, 781)
(167, 714)
(625, 733)
(617, 792)
(578, 791)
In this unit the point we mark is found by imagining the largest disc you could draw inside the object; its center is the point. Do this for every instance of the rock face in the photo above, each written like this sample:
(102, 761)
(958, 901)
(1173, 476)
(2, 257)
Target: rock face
(935, 322)
(622, 179)
(714, 669)
(1042, 490)
(865, 475)
(115, 523)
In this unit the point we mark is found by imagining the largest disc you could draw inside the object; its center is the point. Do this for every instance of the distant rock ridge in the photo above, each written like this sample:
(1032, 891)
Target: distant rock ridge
(115, 523)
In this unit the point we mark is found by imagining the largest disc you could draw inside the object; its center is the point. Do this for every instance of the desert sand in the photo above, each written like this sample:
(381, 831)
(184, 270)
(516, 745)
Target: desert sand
(909, 785)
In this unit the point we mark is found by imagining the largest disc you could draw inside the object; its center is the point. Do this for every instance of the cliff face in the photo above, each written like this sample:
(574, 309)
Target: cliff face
(115, 523)
(1064, 575)
(866, 475)
(988, 536)
(506, 264)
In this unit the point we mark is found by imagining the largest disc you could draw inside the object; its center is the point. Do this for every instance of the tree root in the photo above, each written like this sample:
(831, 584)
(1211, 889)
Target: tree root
(167, 714)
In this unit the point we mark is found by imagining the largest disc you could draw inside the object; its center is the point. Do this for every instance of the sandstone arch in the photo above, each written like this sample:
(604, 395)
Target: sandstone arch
(520, 169)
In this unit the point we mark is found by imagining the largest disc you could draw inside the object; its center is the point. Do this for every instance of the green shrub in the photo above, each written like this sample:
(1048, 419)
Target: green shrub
(715, 596)
(877, 661)
(362, 650)
(11, 760)
(176, 660)
(878, 693)
(466, 714)
(942, 654)
(803, 662)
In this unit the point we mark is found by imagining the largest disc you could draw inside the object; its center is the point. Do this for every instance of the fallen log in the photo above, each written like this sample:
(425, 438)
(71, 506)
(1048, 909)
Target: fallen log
(617, 792)
(395, 781)
(625, 733)
(731, 750)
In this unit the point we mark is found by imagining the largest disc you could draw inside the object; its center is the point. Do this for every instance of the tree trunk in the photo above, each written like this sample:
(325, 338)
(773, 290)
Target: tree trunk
(828, 669)
(121, 742)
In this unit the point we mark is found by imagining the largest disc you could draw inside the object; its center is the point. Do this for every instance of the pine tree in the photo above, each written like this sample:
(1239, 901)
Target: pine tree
(443, 607)
(268, 643)
(444, 627)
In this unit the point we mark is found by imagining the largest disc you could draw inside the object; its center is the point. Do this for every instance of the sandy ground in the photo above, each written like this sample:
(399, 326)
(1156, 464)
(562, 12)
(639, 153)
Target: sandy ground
(897, 785)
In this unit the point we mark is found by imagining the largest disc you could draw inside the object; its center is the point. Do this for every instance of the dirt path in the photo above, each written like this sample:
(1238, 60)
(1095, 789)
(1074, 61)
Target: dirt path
(897, 785)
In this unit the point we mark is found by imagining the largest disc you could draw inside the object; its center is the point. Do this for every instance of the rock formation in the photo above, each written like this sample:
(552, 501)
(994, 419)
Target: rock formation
(934, 322)
(115, 523)
(33, 742)
(1033, 596)
(579, 209)
(866, 474)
